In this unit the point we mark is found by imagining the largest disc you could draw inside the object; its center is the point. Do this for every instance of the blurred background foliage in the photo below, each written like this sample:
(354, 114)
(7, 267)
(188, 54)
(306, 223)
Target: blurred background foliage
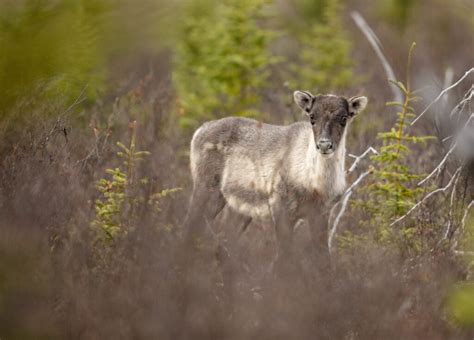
(222, 60)
(53, 45)
(325, 63)
(222, 52)
(58, 48)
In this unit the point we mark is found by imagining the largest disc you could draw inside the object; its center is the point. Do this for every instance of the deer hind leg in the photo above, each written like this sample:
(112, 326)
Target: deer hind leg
(206, 203)
(245, 225)
(198, 251)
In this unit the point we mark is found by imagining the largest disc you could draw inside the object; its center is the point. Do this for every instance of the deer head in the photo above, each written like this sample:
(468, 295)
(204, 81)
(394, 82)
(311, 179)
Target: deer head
(329, 116)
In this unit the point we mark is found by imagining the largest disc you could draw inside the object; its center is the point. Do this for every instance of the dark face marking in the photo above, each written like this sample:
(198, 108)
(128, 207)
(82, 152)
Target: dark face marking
(328, 116)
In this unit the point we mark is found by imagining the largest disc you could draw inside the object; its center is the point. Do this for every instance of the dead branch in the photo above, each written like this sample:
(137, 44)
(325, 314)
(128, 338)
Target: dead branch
(345, 198)
(438, 169)
(463, 224)
(453, 178)
(359, 158)
(442, 94)
(462, 104)
(448, 80)
(375, 43)
(463, 253)
(450, 213)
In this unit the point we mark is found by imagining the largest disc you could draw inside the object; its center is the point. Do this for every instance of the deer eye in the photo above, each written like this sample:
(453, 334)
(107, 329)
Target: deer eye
(343, 121)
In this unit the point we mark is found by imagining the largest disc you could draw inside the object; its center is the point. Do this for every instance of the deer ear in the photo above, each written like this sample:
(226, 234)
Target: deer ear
(357, 104)
(303, 99)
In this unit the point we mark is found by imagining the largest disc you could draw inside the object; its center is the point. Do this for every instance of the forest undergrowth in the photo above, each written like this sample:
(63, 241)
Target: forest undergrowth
(95, 183)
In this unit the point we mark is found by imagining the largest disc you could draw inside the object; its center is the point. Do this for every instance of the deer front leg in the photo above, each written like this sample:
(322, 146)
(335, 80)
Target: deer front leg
(319, 236)
(283, 223)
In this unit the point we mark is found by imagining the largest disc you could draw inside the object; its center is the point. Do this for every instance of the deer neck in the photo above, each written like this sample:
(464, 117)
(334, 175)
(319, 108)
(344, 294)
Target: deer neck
(329, 173)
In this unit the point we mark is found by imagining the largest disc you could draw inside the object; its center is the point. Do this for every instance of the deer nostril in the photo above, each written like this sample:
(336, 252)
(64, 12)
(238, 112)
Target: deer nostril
(324, 145)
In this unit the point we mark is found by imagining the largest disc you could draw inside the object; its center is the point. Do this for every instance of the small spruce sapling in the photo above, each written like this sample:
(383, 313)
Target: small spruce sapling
(122, 195)
(393, 190)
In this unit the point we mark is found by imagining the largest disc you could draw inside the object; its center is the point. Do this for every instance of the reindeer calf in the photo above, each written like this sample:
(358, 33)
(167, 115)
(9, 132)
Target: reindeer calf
(270, 172)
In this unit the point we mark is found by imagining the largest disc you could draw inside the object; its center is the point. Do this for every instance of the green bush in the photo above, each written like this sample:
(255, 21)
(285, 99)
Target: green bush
(397, 12)
(222, 61)
(325, 64)
(53, 46)
(53, 49)
(460, 305)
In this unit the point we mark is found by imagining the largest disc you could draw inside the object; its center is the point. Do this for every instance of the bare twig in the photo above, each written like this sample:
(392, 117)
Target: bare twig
(462, 104)
(447, 138)
(343, 202)
(375, 43)
(359, 158)
(98, 147)
(450, 213)
(442, 94)
(455, 175)
(448, 80)
(466, 212)
(438, 169)
(462, 226)
(78, 100)
(463, 253)
(59, 125)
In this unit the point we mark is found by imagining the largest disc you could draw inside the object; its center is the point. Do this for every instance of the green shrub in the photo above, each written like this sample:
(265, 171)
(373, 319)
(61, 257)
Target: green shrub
(325, 64)
(221, 61)
(397, 12)
(460, 305)
(309, 11)
(50, 45)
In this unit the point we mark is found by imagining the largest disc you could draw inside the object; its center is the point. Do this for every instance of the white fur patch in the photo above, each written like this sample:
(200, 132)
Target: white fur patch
(257, 211)
(259, 176)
